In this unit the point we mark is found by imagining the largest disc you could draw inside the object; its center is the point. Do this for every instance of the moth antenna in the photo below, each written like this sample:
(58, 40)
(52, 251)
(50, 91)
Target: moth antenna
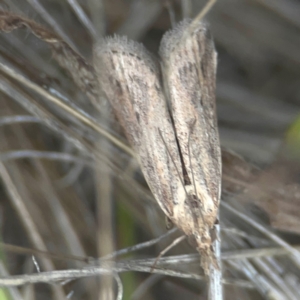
(181, 179)
(174, 243)
(189, 150)
(193, 177)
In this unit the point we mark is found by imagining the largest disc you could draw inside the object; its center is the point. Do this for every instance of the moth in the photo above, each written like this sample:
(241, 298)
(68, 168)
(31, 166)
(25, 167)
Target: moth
(168, 113)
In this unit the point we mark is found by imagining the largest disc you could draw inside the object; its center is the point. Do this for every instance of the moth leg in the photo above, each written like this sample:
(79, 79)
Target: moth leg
(213, 232)
(169, 223)
(163, 252)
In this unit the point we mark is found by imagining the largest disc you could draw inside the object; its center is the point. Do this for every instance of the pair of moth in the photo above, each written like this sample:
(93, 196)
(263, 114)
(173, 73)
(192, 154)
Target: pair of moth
(168, 113)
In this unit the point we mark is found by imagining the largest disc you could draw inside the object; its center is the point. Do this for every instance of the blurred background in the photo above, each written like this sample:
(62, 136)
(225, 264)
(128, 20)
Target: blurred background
(71, 187)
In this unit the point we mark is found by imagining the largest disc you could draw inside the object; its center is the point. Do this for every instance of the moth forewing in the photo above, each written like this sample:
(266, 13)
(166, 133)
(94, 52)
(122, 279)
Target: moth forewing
(180, 158)
(129, 78)
(189, 64)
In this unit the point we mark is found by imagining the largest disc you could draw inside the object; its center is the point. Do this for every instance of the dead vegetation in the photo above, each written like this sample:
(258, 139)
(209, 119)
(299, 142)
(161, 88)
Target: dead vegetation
(70, 183)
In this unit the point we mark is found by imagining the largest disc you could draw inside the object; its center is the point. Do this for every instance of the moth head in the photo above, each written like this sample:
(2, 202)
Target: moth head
(195, 214)
(200, 205)
(203, 245)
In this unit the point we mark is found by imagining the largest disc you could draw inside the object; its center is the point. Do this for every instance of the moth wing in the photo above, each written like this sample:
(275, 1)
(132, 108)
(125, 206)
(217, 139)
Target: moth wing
(189, 60)
(129, 78)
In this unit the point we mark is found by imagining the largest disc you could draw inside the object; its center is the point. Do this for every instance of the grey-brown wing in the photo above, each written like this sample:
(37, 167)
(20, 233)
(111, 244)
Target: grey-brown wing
(129, 78)
(189, 61)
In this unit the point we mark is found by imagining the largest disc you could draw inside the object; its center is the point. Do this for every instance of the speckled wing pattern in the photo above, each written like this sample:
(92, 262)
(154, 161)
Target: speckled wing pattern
(129, 78)
(189, 63)
(172, 128)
